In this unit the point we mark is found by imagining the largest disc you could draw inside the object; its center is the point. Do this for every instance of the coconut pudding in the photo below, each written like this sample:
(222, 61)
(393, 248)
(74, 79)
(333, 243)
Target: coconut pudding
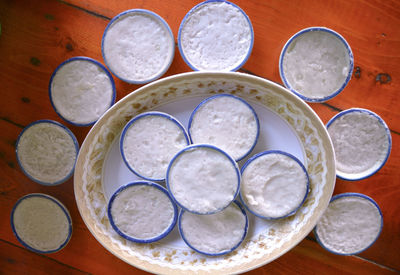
(215, 35)
(351, 223)
(274, 184)
(316, 64)
(81, 90)
(214, 234)
(203, 179)
(142, 212)
(41, 223)
(47, 151)
(227, 122)
(138, 46)
(149, 141)
(362, 143)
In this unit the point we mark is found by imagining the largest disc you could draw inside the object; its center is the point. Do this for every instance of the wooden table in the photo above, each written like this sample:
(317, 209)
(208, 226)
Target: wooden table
(38, 35)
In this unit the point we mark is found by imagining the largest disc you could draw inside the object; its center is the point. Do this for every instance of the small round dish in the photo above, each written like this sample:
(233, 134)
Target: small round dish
(142, 212)
(46, 152)
(81, 90)
(362, 143)
(351, 224)
(274, 184)
(316, 64)
(138, 46)
(41, 223)
(148, 143)
(215, 234)
(227, 122)
(215, 35)
(203, 179)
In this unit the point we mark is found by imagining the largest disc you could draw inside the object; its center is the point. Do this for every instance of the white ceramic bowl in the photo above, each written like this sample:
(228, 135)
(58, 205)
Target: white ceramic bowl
(46, 152)
(316, 64)
(362, 143)
(81, 90)
(216, 36)
(138, 46)
(41, 223)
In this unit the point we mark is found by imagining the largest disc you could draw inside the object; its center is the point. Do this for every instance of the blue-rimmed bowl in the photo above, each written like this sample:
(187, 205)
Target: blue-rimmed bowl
(81, 105)
(276, 152)
(292, 42)
(212, 42)
(25, 169)
(35, 219)
(379, 122)
(193, 182)
(212, 230)
(128, 126)
(228, 136)
(359, 223)
(135, 184)
(149, 49)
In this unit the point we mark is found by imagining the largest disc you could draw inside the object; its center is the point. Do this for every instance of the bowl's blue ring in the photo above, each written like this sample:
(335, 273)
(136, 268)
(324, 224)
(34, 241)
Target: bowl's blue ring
(189, 14)
(133, 120)
(238, 98)
(221, 253)
(208, 146)
(351, 195)
(68, 131)
(64, 209)
(81, 58)
(380, 120)
(288, 43)
(157, 17)
(133, 184)
(250, 160)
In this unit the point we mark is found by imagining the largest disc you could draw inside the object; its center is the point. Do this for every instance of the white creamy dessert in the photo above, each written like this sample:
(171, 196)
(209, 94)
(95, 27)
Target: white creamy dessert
(227, 122)
(142, 212)
(214, 234)
(138, 46)
(351, 223)
(81, 90)
(215, 35)
(362, 143)
(149, 141)
(274, 184)
(46, 152)
(203, 179)
(316, 64)
(41, 223)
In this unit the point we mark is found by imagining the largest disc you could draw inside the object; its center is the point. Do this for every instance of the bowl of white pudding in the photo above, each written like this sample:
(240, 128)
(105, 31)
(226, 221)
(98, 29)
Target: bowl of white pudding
(351, 224)
(362, 143)
(138, 46)
(81, 90)
(46, 152)
(215, 36)
(203, 179)
(142, 212)
(41, 223)
(316, 64)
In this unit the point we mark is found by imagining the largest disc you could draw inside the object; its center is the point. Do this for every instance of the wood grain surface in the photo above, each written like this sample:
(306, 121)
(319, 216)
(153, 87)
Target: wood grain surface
(36, 36)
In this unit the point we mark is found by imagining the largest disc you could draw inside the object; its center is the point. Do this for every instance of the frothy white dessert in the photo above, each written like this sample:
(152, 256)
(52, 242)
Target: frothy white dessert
(46, 152)
(215, 36)
(273, 185)
(226, 122)
(349, 225)
(41, 223)
(81, 91)
(203, 179)
(217, 233)
(316, 64)
(138, 46)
